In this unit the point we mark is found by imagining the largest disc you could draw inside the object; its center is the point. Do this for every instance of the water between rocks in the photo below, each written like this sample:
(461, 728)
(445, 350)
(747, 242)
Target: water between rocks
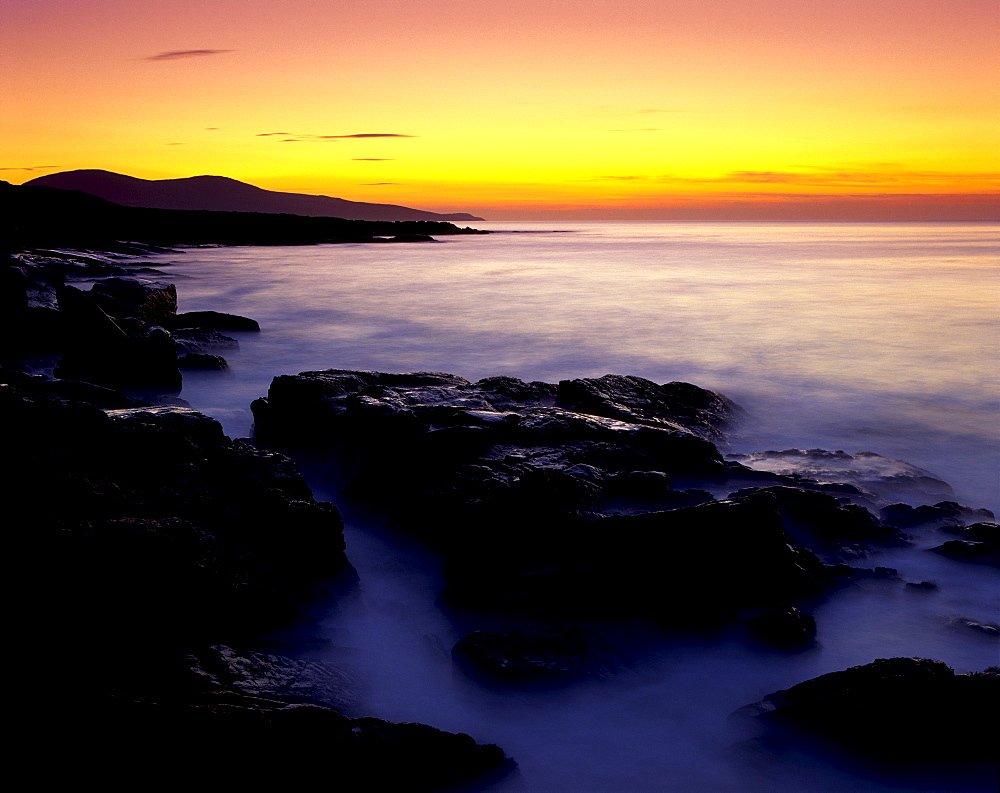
(864, 337)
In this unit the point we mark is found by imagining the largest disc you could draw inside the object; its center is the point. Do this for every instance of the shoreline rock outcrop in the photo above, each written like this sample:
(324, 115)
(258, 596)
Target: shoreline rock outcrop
(894, 710)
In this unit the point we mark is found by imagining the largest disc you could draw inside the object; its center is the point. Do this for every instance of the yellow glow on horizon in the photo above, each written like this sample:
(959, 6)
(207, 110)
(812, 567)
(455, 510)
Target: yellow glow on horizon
(638, 103)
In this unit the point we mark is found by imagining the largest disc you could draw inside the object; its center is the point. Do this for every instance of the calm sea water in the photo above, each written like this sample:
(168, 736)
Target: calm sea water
(874, 336)
(864, 337)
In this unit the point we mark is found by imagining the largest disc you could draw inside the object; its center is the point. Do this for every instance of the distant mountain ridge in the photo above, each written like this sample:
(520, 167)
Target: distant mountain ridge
(222, 194)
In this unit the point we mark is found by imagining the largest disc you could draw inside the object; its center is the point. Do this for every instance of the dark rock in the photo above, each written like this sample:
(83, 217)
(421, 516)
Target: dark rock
(901, 710)
(228, 739)
(150, 301)
(411, 238)
(212, 539)
(984, 531)
(640, 401)
(987, 628)
(971, 551)
(823, 524)
(944, 514)
(100, 350)
(196, 360)
(921, 586)
(212, 319)
(276, 678)
(202, 341)
(29, 311)
(784, 627)
(536, 655)
(522, 495)
(874, 474)
(76, 391)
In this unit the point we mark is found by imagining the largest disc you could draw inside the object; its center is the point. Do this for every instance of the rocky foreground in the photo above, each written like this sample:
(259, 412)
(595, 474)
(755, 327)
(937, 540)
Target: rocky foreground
(162, 554)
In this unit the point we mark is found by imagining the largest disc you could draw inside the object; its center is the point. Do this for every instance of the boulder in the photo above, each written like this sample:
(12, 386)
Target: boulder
(830, 528)
(109, 352)
(885, 478)
(942, 515)
(198, 360)
(899, 710)
(640, 401)
(533, 655)
(275, 678)
(216, 320)
(202, 341)
(152, 302)
(785, 628)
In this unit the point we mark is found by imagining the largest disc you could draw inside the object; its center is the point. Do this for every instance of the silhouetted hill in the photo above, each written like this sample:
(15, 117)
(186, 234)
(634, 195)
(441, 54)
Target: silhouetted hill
(46, 217)
(222, 194)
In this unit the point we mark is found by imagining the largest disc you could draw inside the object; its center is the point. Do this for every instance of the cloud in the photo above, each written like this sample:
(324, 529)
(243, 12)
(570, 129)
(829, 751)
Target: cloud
(376, 184)
(661, 110)
(31, 168)
(294, 137)
(371, 159)
(643, 129)
(842, 176)
(174, 55)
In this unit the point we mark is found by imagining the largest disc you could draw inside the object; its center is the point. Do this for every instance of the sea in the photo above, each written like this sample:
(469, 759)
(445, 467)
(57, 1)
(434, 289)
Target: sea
(872, 336)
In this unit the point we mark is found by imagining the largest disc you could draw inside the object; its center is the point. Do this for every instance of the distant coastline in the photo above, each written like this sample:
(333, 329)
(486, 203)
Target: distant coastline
(49, 217)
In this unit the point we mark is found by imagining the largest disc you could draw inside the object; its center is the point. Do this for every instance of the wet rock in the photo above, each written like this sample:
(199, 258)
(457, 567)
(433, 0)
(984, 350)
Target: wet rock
(971, 551)
(887, 478)
(901, 710)
(225, 738)
(692, 567)
(210, 538)
(820, 522)
(522, 495)
(276, 678)
(202, 341)
(986, 628)
(29, 311)
(640, 401)
(215, 320)
(784, 627)
(944, 514)
(101, 350)
(152, 302)
(536, 655)
(197, 360)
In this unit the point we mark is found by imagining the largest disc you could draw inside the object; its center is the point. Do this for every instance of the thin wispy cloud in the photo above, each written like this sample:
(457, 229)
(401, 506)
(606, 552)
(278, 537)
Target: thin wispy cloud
(371, 159)
(294, 137)
(175, 55)
(376, 184)
(31, 168)
(642, 129)
(818, 177)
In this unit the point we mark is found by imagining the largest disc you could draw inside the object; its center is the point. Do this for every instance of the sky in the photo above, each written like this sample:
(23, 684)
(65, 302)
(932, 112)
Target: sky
(523, 109)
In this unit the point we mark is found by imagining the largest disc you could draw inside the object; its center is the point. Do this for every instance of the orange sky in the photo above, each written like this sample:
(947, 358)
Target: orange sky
(519, 109)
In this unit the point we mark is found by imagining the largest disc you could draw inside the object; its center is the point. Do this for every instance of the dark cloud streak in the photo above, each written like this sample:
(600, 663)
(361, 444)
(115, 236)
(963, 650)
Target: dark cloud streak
(31, 168)
(175, 55)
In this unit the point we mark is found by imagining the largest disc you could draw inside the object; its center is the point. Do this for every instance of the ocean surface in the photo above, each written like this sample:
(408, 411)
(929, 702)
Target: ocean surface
(874, 337)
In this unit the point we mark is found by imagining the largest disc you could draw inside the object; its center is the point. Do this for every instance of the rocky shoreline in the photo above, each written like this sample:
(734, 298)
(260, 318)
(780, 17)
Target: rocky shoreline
(166, 554)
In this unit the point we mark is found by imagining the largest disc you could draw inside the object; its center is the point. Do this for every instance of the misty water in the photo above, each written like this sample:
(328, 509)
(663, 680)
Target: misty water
(863, 337)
